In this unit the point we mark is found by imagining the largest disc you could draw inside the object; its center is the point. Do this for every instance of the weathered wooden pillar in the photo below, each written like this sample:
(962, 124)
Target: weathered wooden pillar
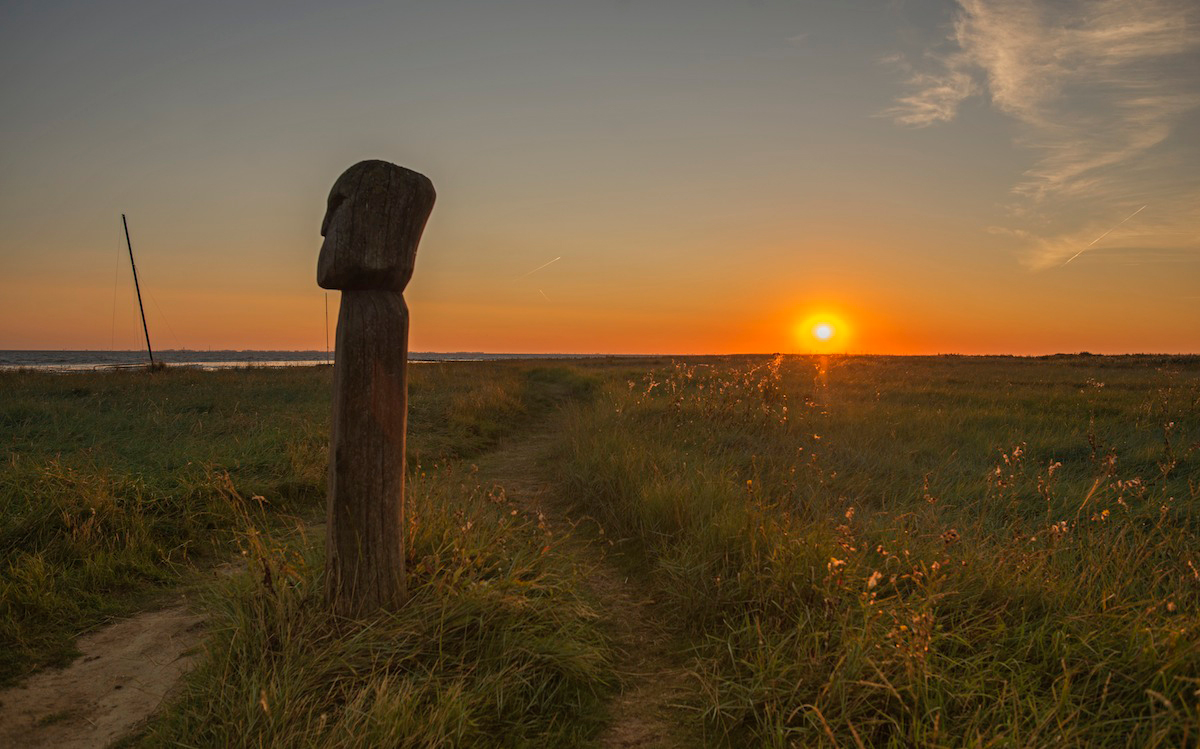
(372, 225)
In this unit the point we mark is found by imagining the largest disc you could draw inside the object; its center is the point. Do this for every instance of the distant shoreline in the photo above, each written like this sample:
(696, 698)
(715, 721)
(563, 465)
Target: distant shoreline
(93, 360)
(66, 360)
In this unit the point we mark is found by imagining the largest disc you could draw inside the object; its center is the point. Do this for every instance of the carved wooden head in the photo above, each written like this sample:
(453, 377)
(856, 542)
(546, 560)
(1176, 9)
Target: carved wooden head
(372, 225)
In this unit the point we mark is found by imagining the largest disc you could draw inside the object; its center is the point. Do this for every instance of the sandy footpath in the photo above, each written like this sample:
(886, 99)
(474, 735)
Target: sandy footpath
(125, 671)
(647, 714)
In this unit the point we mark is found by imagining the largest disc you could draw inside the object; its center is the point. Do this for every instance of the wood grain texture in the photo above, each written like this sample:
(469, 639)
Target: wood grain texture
(364, 565)
(374, 220)
(375, 216)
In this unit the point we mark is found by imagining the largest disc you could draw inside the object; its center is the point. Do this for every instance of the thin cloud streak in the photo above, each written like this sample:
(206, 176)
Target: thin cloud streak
(1098, 87)
(1164, 232)
(543, 265)
(1105, 234)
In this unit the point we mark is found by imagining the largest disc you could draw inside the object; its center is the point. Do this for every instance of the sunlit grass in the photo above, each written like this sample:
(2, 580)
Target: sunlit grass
(494, 647)
(916, 552)
(860, 551)
(115, 485)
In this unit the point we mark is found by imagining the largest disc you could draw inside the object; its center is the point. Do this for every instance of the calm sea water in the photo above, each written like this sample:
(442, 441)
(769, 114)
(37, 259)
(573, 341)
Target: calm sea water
(90, 360)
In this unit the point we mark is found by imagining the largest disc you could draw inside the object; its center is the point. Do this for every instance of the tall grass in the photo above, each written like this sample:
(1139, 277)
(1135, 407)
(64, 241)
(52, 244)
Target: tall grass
(494, 648)
(861, 551)
(116, 484)
(871, 552)
(114, 488)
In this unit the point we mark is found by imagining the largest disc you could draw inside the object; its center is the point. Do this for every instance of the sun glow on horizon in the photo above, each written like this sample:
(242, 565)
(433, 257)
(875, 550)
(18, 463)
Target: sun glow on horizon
(823, 332)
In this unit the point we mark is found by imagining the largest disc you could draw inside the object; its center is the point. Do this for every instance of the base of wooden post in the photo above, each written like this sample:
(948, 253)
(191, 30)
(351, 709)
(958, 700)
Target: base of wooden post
(364, 559)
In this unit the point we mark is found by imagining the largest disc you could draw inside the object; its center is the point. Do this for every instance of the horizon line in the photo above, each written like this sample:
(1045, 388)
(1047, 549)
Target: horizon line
(560, 354)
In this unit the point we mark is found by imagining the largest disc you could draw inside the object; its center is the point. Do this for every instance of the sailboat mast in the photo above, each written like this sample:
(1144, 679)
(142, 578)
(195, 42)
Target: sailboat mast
(138, 288)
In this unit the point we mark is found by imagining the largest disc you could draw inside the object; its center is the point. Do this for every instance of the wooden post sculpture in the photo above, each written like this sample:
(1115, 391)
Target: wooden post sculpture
(372, 225)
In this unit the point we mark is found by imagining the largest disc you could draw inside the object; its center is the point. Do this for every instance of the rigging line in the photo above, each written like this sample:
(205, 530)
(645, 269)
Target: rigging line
(164, 318)
(132, 328)
(112, 340)
(326, 327)
(132, 325)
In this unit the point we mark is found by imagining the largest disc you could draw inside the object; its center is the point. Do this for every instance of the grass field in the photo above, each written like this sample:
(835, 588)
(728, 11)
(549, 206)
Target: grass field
(121, 486)
(916, 552)
(857, 551)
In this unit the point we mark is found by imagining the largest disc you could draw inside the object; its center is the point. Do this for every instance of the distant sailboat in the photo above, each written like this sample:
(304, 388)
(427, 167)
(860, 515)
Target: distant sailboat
(138, 288)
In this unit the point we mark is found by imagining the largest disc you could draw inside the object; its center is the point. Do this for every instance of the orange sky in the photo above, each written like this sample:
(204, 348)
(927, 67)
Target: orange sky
(711, 175)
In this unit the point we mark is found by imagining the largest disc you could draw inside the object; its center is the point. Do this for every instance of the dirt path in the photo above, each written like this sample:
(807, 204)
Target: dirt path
(124, 672)
(647, 711)
(126, 669)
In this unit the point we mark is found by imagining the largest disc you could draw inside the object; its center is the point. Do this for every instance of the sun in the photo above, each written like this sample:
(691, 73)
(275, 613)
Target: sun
(823, 332)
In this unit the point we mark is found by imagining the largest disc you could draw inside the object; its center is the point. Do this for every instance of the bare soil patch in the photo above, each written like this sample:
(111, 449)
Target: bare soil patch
(123, 674)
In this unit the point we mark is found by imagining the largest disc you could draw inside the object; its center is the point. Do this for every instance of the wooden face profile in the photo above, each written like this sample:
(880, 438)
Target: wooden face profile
(373, 222)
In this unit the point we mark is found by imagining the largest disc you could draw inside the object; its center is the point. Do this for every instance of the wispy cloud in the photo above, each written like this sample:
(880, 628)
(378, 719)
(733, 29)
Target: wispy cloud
(1097, 84)
(1160, 232)
(935, 97)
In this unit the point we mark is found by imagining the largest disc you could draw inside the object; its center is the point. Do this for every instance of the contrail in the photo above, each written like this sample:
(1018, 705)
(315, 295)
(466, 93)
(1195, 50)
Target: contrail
(543, 265)
(543, 295)
(1102, 236)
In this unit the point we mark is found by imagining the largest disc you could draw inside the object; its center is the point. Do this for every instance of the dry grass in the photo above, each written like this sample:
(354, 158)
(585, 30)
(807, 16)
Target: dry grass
(939, 552)
(860, 551)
